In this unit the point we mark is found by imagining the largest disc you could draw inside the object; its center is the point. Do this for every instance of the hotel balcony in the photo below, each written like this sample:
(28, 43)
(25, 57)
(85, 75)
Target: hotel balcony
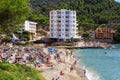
(76, 24)
(58, 32)
(58, 14)
(76, 28)
(67, 32)
(76, 32)
(67, 15)
(59, 19)
(67, 28)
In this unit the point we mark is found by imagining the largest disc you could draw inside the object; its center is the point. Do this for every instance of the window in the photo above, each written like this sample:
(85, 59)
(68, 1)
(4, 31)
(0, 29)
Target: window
(59, 30)
(73, 12)
(58, 16)
(51, 21)
(58, 21)
(73, 17)
(58, 25)
(67, 21)
(67, 25)
(59, 35)
(51, 34)
(51, 17)
(66, 35)
(67, 16)
(67, 12)
(51, 12)
(58, 12)
(51, 25)
(66, 29)
(51, 29)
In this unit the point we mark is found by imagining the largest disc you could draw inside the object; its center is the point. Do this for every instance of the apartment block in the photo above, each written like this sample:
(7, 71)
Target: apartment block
(104, 33)
(63, 24)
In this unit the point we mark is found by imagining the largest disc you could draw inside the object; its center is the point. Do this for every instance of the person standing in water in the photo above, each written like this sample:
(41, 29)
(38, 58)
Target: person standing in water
(84, 72)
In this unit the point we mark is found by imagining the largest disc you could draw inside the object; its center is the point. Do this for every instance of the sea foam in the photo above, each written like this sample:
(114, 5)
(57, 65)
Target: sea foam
(91, 75)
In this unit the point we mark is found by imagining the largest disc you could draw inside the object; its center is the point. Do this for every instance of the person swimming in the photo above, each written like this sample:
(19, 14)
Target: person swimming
(105, 52)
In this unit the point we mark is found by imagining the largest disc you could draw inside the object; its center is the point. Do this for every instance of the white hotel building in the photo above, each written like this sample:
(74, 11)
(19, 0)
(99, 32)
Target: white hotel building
(63, 24)
(30, 26)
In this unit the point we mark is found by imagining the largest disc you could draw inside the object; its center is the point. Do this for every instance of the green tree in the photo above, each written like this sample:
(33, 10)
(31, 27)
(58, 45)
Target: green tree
(81, 30)
(117, 35)
(102, 25)
(116, 38)
(86, 36)
(25, 34)
(118, 28)
(12, 14)
(90, 13)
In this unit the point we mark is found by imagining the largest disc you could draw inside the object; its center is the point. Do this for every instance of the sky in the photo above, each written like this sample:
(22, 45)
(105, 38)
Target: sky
(117, 0)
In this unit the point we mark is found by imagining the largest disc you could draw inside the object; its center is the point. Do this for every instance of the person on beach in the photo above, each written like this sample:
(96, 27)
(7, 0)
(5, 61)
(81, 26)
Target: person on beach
(66, 53)
(55, 57)
(58, 76)
(84, 72)
(71, 68)
(74, 62)
(52, 67)
(61, 73)
(71, 53)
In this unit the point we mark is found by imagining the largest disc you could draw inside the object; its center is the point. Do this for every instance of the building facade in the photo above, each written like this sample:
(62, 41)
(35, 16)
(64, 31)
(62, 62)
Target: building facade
(104, 33)
(30, 26)
(63, 24)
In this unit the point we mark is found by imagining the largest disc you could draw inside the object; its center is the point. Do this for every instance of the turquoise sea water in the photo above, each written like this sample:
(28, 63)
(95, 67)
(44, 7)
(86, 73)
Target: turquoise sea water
(100, 66)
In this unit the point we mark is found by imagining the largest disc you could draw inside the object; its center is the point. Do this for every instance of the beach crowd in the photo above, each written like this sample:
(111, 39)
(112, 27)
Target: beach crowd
(40, 58)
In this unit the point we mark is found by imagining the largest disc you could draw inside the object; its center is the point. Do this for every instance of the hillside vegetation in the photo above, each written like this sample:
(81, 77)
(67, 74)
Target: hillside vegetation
(18, 72)
(90, 13)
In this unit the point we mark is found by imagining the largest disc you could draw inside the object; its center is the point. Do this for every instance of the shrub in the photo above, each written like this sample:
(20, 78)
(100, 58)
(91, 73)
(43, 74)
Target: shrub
(18, 72)
(6, 39)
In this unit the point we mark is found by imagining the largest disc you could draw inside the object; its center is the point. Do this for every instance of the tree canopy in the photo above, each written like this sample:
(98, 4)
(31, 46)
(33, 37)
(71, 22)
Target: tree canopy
(90, 13)
(12, 14)
(117, 35)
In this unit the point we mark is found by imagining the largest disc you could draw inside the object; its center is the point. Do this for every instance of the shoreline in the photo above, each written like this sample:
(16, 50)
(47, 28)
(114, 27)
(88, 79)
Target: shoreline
(76, 74)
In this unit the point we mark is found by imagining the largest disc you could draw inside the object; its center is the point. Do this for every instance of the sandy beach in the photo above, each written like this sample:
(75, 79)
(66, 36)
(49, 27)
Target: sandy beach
(53, 74)
(59, 65)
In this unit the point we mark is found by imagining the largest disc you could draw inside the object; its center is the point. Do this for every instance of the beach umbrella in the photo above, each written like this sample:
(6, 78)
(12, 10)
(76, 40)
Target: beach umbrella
(51, 49)
(39, 62)
(23, 60)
